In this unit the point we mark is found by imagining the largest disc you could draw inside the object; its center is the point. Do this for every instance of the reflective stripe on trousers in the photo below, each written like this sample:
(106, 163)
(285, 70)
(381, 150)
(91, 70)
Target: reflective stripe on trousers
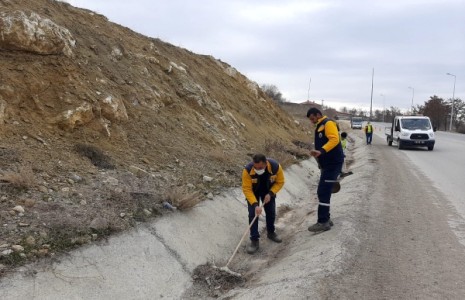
(329, 173)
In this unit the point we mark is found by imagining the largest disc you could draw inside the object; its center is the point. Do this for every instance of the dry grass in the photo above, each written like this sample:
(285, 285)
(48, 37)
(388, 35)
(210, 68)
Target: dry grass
(96, 156)
(303, 145)
(277, 150)
(8, 157)
(182, 198)
(299, 153)
(212, 282)
(22, 179)
(219, 155)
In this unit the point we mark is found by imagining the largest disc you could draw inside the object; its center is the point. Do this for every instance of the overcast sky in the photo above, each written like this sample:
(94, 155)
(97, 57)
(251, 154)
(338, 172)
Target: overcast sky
(336, 43)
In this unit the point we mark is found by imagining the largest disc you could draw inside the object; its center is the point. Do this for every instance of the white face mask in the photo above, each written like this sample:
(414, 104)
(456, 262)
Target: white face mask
(259, 172)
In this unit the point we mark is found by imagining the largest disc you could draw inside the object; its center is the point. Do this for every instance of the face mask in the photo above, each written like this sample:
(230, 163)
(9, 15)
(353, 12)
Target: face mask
(259, 172)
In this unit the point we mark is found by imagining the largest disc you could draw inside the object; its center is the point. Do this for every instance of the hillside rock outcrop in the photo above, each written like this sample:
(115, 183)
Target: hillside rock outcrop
(20, 31)
(113, 109)
(72, 118)
(98, 121)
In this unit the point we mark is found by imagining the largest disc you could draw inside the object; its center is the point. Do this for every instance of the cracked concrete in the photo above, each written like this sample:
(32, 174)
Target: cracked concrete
(125, 267)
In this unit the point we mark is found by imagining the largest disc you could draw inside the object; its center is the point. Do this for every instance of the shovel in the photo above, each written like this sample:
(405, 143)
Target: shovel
(336, 183)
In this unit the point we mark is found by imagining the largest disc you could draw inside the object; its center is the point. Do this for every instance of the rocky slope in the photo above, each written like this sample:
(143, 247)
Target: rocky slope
(98, 122)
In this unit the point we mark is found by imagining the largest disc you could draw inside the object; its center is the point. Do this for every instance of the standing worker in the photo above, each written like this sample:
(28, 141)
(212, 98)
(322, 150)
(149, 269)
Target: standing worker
(262, 179)
(344, 147)
(369, 132)
(330, 157)
(344, 142)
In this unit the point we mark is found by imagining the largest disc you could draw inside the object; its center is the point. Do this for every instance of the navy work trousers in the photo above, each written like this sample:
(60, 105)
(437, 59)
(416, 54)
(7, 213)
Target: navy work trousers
(324, 190)
(270, 211)
(369, 137)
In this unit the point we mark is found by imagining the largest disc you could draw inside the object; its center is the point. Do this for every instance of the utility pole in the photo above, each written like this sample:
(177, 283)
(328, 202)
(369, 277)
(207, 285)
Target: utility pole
(322, 103)
(371, 101)
(413, 95)
(452, 106)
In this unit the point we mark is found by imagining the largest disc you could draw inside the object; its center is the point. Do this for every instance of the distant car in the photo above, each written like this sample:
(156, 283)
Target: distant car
(356, 123)
(411, 131)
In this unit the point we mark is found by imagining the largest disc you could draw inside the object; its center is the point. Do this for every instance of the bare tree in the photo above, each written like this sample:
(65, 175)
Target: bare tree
(378, 115)
(459, 115)
(273, 92)
(353, 111)
(436, 109)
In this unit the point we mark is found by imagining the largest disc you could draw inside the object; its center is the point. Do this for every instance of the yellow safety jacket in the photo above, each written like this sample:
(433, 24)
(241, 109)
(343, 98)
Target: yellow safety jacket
(369, 129)
(250, 180)
(328, 142)
(344, 144)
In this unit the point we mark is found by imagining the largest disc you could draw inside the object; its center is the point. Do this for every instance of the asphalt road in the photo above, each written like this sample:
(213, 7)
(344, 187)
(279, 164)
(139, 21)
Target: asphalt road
(411, 246)
(444, 166)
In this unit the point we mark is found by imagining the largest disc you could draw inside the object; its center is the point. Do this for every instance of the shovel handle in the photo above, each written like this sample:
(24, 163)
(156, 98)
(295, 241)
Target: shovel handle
(243, 236)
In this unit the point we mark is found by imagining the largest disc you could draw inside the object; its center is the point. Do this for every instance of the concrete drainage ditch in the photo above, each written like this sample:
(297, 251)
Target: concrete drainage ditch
(159, 260)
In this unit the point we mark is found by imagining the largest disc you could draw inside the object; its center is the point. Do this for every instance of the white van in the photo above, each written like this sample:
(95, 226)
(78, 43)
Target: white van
(411, 131)
(356, 122)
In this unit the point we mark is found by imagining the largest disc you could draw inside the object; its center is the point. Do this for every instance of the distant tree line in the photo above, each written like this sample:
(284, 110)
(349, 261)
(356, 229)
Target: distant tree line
(436, 108)
(378, 115)
(439, 111)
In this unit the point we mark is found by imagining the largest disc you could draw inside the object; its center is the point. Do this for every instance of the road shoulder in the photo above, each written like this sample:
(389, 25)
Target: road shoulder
(407, 249)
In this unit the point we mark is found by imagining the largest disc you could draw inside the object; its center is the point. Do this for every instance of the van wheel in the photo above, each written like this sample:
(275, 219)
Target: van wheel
(399, 145)
(430, 148)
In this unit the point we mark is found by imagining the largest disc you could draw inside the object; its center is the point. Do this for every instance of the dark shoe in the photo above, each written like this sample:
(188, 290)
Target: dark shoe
(331, 223)
(320, 227)
(253, 247)
(274, 237)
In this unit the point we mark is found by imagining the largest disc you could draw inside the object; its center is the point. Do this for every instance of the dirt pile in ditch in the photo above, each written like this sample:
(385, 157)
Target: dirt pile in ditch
(212, 282)
(97, 122)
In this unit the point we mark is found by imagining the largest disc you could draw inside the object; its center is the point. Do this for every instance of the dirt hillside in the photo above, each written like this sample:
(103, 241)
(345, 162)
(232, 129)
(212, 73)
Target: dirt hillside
(98, 124)
(299, 110)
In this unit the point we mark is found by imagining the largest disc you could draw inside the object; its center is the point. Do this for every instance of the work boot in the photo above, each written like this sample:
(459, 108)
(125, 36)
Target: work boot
(253, 247)
(274, 237)
(320, 227)
(331, 223)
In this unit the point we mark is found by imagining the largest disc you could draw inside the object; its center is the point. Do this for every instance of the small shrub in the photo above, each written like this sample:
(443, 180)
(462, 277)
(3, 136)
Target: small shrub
(461, 128)
(219, 155)
(23, 179)
(277, 150)
(8, 157)
(299, 153)
(182, 198)
(14, 259)
(303, 145)
(96, 156)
